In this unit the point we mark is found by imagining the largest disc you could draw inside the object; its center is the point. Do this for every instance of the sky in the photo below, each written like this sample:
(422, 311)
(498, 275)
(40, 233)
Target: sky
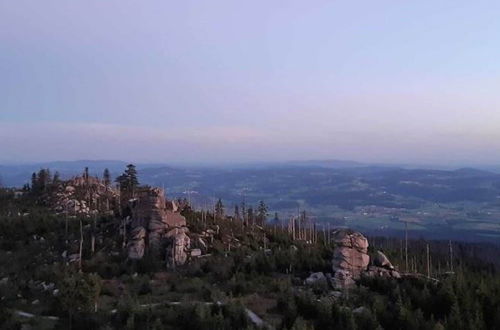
(236, 81)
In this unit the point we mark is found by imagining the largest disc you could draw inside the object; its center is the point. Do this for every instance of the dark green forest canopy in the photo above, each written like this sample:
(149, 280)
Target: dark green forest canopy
(215, 292)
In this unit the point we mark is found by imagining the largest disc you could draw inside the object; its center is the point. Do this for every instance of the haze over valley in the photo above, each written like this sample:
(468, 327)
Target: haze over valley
(460, 204)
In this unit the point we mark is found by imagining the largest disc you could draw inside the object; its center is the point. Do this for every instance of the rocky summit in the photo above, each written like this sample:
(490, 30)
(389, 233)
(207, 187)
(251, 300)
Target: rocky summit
(83, 195)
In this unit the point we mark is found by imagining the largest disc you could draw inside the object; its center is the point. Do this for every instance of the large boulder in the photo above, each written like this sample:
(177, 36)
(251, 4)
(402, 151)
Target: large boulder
(316, 279)
(178, 249)
(136, 244)
(375, 271)
(381, 267)
(342, 279)
(381, 260)
(351, 252)
(351, 239)
(350, 258)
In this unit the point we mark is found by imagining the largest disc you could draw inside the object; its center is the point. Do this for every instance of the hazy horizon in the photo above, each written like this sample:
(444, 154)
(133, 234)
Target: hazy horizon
(337, 163)
(234, 82)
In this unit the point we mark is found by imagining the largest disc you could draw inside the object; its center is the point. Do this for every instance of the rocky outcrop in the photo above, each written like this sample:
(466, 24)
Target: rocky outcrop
(136, 244)
(195, 253)
(350, 258)
(375, 271)
(178, 249)
(316, 279)
(83, 196)
(381, 260)
(351, 262)
(149, 208)
(157, 221)
(342, 279)
(381, 267)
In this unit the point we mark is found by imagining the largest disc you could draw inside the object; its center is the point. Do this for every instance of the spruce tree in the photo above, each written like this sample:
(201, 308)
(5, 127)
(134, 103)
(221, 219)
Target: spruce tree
(57, 178)
(34, 183)
(106, 177)
(236, 212)
(250, 216)
(43, 179)
(128, 180)
(131, 173)
(262, 213)
(219, 209)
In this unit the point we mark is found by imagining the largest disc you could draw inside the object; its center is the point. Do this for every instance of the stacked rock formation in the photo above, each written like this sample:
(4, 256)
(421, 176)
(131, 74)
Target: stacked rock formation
(157, 221)
(84, 196)
(351, 262)
(350, 258)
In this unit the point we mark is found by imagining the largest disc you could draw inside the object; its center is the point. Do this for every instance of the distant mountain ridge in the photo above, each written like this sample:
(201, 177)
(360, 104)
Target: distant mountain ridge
(15, 175)
(460, 203)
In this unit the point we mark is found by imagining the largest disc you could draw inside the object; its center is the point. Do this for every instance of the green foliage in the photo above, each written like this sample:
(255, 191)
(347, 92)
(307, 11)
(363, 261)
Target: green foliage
(219, 209)
(262, 212)
(128, 181)
(79, 292)
(263, 264)
(106, 176)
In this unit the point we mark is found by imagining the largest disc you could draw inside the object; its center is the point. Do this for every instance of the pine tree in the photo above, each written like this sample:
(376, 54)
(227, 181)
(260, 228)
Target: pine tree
(276, 219)
(455, 319)
(106, 177)
(250, 216)
(34, 183)
(236, 212)
(43, 179)
(261, 213)
(128, 180)
(244, 212)
(79, 292)
(131, 173)
(57, 178)
(219, 209)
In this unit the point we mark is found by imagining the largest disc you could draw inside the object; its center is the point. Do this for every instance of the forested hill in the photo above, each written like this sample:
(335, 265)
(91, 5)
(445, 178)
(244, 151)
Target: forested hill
(62, 271)
(443, 204)
(348, 184)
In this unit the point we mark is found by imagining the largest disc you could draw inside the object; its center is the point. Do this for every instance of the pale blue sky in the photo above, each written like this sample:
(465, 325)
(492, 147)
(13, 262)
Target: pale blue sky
(189, 81)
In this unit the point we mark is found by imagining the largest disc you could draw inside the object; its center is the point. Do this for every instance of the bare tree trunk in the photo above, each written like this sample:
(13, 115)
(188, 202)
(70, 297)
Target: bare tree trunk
(428, 263)
(124, 233)
(451, 255)
(66, 227)
(92, 239)
(406, 246)
(81, 245)
(328, 232)
(401, 252)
